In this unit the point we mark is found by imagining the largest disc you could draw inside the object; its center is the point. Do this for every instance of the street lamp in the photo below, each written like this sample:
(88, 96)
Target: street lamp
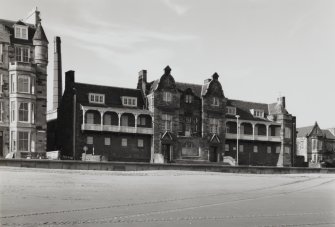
(237, 135)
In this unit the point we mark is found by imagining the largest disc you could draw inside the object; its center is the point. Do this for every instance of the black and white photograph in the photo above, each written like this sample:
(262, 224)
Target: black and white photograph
(144, 113)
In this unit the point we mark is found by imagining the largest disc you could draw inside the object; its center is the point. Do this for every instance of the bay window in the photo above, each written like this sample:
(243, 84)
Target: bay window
(23, 112)
(23, 84)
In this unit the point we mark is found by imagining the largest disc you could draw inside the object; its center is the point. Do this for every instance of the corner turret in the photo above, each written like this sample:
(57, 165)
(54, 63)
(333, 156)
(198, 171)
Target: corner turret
(40, 42)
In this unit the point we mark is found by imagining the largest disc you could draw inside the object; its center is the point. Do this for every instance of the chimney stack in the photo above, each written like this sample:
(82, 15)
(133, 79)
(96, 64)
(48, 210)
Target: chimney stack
(281, 101)
(69, 79)
(57, 85)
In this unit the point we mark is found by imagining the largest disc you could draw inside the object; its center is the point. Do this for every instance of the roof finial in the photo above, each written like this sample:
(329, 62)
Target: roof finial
(167, 69)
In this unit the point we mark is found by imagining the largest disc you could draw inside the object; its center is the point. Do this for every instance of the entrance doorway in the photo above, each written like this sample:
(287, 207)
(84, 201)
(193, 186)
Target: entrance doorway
(166, 151)
(213, 154)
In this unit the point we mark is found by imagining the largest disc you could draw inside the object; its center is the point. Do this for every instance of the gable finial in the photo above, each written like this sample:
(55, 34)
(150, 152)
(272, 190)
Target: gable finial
(167, 69)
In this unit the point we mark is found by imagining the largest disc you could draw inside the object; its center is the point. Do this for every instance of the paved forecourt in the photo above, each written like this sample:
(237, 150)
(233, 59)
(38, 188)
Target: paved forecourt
(45, 197)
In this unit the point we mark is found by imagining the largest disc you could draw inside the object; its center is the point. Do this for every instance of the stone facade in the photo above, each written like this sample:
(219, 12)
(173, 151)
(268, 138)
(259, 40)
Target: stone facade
(23, 92)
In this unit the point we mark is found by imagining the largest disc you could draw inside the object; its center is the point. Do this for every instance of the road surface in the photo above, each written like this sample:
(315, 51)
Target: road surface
(43, 197)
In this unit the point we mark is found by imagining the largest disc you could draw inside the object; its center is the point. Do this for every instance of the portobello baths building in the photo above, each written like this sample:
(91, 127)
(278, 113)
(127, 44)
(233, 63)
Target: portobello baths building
(167, 121)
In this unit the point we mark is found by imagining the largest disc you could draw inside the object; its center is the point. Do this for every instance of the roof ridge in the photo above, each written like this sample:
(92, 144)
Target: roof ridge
(249, 101)
(98, 85)
(189, 83)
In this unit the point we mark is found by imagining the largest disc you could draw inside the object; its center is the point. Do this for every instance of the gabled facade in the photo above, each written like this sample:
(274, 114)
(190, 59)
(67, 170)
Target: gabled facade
(315, 144)
(23, 84)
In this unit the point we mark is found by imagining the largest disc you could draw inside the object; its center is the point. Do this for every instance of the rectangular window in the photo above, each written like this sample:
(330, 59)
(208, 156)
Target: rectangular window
(241, 148)
(107, 141)
(226, 147)
(12, 78)
(269, 149)
(142, 121)
(32, 85)
(167, 96)
(287, 133)
(258, 113)
(196, 122)
(314, 144)
(124, 120)
(231, 110)
(96, 98)
(90, 118)
(278, 149)
(1, 82)
(23, 84)
(255, 149)
(107, 119)
(140, 143)
(33, 113)
(23, 112)
(124, 142)
(1, 112)
(1, 53)
(12, 106)
(129, 101)
(89, 140)
(189, 150)
(287, 150)
(13, 137)
(22, 54)
(188, 98)
(23, 141)
(167, 122)
(17, 32)
(215, 101)
(21, 32)
(214, 126)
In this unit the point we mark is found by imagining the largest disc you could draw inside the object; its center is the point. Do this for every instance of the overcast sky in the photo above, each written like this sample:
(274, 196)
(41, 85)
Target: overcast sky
(260, 48)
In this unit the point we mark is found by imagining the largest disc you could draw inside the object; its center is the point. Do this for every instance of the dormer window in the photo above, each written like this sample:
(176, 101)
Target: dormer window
(188, 98)
(167, 96)
(129, 101)
(231, 110)
(21, 32)
(257, 113)
(215, 101)
(96, 98)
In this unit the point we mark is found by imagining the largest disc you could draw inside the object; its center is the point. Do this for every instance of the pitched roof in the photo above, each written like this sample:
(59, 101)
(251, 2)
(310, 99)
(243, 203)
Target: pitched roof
(328, 134)
(275, 108)
(304, 131)
(196, 88)
(243, 109)
(9, 25)
(40, 34)
(112, 95)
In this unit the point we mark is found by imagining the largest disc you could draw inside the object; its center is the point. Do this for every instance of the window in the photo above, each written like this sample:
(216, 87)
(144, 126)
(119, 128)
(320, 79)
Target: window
(241, 148)
(214, 125)
(167, 96)
(196, 122)
(167, 122)
(188, 98)
(142, 121)
(13, 138)
(140, 143)
(215, 101)
(1, 53)
(124, 142)
(320, 145)
(21, 32)
(278, 149)
(107, 141)
(22, 54)
(107, 119)
(12, 105)
(1, 112)
(23, 112)
(257, 113)
(314, 144)
(269, 150)
(1, 82)
(23, 84)
(124, 120)
(287, 133)
(23, 141)
(96, 98)
(32, 85)
(129, 101)
(231, 110)
(90, 118)
(255, 149)
(89, 140)
(188, 126)
(33, 113)
(226, 147)
(12, 78)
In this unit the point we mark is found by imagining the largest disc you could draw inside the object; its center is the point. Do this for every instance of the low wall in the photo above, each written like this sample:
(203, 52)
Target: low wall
(129, 166)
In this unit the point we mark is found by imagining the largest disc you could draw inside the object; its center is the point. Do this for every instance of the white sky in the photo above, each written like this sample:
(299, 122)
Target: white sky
(260, 48)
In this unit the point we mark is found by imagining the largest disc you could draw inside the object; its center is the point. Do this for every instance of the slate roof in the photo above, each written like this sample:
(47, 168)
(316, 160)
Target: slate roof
(196, 88)
(9, 26)
(328, 134)
(112, 95)
(304, 131)
(243, 109)
(40, 34)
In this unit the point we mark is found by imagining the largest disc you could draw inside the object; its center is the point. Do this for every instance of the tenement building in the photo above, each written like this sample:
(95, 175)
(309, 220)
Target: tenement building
(23, 83)
(315, 145)
(164, 121)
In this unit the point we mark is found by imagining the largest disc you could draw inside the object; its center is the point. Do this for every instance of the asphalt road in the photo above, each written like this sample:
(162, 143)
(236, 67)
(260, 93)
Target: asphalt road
(43, 197)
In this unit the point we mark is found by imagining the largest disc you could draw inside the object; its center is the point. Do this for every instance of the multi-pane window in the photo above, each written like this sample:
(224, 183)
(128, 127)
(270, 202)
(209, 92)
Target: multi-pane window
(258, 113)
(215, 101)
(12, 79)
(96, 98)
(124, 142)
(167, 122)
(129, 101)
(231, 110)
(188, 98)
(314, 144)
(89, 140)
(23, 141)
(23, 84)
(214, 125)
(23, 112)
(195, 125)
(140, 143)
(22, 54)
(107, 141)
(167, 96)
(21, 32)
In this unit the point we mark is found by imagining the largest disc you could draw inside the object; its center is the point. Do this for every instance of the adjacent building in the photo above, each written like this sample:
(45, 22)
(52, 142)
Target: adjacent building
(164, 121)
(315, 145)
(23, 84)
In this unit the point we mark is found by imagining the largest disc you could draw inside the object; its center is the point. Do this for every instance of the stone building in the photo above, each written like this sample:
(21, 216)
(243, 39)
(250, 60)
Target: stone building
(315, 145)
(23, 84)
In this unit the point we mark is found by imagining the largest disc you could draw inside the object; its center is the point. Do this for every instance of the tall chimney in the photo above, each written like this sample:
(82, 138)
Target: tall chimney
(57, 85)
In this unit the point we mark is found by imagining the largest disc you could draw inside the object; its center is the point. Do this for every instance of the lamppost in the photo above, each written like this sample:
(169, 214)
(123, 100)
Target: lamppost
(237, 137)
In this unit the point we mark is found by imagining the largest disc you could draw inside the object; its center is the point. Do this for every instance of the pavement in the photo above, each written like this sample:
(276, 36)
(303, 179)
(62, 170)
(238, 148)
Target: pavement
(45, 197)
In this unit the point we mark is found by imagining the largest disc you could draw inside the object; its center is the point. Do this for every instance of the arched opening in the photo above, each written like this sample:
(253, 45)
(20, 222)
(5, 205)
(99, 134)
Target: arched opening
(231, 127)
(111, 118)
(274, 130)
(127, 119)
(246, 128)
(92, 117)
(260, 129)
(144, 120)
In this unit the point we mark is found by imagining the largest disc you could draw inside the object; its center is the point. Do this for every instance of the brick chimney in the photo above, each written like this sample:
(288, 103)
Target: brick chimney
(69, 79)
(142, 80)
(281, 101)
(57, 82)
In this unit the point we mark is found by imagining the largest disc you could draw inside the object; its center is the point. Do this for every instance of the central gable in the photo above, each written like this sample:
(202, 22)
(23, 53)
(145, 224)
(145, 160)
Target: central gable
(167, 81)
